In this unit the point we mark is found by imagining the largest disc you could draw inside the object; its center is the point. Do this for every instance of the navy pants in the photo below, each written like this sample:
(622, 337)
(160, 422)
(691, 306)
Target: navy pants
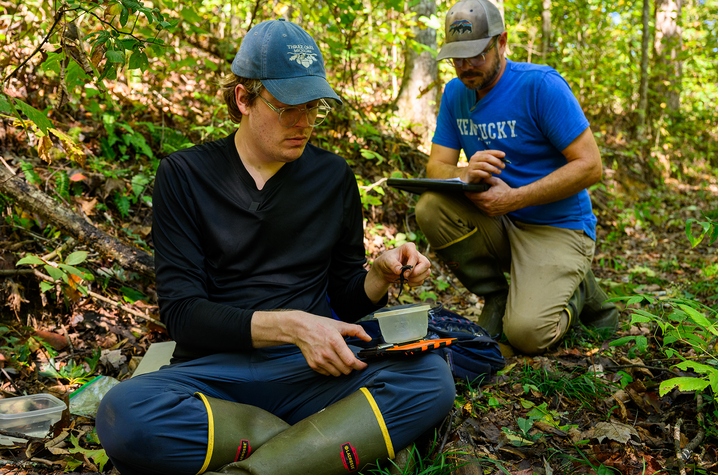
(153, 424)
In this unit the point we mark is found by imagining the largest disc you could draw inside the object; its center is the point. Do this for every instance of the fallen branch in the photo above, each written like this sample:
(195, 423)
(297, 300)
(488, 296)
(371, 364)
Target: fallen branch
(35, 201)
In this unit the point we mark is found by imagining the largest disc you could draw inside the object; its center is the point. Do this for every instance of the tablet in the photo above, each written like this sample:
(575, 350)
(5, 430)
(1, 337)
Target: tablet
(420, 185)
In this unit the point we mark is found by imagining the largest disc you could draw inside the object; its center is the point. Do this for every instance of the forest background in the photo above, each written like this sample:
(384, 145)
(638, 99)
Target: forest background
(94, 94)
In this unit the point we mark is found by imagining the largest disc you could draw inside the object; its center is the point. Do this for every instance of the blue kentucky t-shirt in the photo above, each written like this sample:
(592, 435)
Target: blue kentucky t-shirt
(531, 115)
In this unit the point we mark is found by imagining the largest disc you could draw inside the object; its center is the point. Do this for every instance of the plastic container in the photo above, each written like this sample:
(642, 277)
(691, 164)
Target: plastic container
(404, 324)
(30, 415)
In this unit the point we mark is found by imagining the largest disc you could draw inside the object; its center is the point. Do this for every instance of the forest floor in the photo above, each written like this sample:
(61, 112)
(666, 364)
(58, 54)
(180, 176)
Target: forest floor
(586, 406)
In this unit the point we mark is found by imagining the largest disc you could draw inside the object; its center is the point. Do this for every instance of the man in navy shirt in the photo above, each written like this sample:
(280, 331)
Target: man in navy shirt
(258, 243)
(524, 134)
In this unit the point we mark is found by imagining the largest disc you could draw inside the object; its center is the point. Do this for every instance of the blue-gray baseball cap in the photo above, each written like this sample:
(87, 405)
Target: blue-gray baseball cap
(287, 61)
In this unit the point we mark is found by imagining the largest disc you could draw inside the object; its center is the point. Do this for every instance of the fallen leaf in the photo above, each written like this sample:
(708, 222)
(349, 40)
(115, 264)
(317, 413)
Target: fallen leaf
(55, 340)
(615, 431)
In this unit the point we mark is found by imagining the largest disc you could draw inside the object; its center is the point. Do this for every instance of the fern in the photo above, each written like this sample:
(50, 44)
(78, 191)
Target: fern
(62, 185)
(123, 204)
(30, 175)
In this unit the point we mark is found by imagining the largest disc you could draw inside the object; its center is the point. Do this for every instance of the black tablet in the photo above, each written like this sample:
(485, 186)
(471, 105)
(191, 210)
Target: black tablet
(420, 185)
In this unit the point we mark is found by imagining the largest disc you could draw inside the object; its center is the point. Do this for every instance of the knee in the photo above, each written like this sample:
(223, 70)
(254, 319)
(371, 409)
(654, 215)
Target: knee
(425, 210)
(525, 337)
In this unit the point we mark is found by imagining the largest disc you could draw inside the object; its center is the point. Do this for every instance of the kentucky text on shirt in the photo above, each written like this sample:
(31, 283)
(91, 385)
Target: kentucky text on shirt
(492, 130)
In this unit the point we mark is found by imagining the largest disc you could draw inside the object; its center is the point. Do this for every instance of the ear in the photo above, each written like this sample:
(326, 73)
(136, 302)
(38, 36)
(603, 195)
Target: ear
(240, 96)
(503, 42)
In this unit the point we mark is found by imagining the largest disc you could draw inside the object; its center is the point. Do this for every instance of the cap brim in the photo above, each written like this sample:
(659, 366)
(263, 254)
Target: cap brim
(295, 91)
(463, 49)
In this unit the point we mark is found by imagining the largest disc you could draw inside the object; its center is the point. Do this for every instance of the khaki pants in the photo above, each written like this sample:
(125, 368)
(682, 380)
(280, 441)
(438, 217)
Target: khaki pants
(546, 264)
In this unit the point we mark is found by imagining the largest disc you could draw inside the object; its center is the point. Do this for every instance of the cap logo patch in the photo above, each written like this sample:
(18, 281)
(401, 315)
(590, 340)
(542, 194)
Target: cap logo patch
(460, 26)
(302, 54)
(349, 457)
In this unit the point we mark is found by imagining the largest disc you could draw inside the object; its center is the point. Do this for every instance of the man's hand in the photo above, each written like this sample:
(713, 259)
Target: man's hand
(387, 269)
(497, 200)
(482, 166)
(320, 339)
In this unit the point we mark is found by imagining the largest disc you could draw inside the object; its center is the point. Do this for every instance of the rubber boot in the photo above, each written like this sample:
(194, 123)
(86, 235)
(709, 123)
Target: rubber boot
(588, 304)
(236, 430)
(343, 438)
(475, 267)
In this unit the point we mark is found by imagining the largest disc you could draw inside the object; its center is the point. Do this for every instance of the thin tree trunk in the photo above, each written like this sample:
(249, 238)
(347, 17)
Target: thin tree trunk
(546, 30)
(667, 45)
(35, 201)
(643, 88)
(417, 100)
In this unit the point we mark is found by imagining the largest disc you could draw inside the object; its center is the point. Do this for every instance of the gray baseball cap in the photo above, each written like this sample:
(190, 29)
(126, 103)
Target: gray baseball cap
(287, 61)
(469, 26)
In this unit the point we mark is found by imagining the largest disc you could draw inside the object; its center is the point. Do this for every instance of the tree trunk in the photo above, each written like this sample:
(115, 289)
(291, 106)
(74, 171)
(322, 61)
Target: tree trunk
(546, 29)
(35, 201)
(418, 96)
(643, 88)
(667, 46)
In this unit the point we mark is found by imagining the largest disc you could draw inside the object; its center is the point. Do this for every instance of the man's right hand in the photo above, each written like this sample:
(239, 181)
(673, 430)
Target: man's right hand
(320, 339)
(483, 165)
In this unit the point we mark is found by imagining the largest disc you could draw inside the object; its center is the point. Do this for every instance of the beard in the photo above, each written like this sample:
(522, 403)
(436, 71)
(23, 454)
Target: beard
(478, 80)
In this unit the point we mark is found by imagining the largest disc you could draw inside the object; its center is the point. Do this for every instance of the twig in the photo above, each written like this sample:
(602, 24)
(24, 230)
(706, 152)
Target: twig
(6, 272)
(58, 17)
(688, 451)
(68, 244)
(11, 381)
(126, 309)
(677, 445)
(446, 434)
(656, 368)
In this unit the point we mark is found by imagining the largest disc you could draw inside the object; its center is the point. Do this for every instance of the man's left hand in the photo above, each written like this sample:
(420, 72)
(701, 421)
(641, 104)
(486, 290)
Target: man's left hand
(386, 270)
(497, 200)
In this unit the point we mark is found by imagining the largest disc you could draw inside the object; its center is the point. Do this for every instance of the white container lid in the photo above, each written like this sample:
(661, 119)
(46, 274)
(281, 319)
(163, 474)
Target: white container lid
(32, 405)
(412, 309)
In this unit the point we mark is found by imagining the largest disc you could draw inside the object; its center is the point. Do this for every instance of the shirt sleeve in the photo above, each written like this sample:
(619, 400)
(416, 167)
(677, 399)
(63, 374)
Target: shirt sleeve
(192, 320)
(561, 118)
(347, 274)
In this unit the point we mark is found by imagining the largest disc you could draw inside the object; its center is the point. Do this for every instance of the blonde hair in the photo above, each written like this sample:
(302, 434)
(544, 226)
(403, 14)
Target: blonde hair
(228, 86)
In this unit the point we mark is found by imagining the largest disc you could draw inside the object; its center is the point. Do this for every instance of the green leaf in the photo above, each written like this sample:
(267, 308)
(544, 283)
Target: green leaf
(622, 341)
(191, 16)
(115, 56)
(5, 106)
(54, 272)
(38, 118)
(700, 319)
(132, 295)
(30, 260)
(139, 60)
(75, 258)
(98, 456)
(72, 270)
(124, 16)
(683, 384)
(46, 286)
(697, 367)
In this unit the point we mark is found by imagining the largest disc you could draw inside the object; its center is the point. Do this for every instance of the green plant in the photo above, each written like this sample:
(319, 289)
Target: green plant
(64, 273)
(583, 387)
(684, 325)
(72, 372)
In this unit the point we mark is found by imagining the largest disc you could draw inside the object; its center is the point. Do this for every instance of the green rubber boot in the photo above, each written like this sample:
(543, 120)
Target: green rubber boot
(481, 274)
(236, 430)
(588, 304)
(343, 438)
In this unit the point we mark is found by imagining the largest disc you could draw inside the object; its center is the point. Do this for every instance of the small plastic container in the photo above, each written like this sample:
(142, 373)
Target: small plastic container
(30, 415)
(404, 324)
